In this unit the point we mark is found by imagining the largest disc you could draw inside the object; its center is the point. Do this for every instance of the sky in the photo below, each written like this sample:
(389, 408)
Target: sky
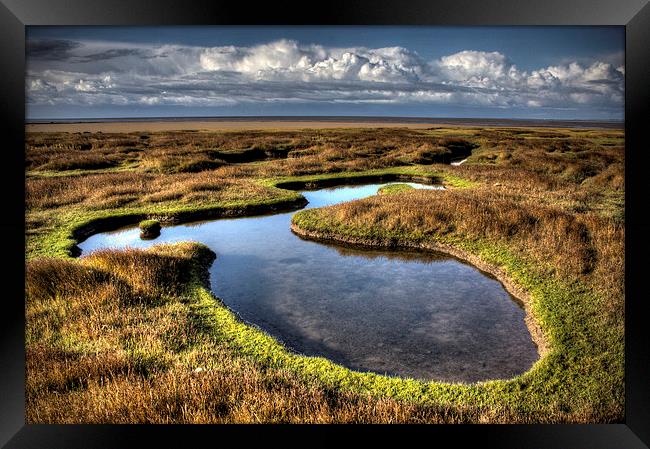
(200, 71)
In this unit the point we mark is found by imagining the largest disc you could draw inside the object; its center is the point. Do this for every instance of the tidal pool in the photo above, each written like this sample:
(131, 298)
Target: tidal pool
(411, 314)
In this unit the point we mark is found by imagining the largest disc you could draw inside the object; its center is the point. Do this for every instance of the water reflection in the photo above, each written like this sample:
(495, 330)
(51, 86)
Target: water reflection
(373, 253)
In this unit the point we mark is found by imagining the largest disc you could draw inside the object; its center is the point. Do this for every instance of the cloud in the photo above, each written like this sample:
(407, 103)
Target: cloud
(478, 68)
(112, 53)
(83, 73)
(52, 50)
(287, 60)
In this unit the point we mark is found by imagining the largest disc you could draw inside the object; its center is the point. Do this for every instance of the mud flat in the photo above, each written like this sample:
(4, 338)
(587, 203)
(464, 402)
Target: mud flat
(293, 123)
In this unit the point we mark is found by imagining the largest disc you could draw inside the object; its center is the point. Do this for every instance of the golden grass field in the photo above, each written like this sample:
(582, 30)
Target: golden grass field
(134, 336)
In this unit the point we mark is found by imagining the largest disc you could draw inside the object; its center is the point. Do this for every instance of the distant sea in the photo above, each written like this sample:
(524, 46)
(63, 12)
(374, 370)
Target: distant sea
(495, 122)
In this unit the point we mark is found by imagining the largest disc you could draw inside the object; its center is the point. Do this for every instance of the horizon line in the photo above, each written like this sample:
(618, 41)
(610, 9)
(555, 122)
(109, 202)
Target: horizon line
(378, 118)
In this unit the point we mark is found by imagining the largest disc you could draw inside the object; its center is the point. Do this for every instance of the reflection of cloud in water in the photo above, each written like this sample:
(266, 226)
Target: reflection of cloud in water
(336, 195)
(129, 238)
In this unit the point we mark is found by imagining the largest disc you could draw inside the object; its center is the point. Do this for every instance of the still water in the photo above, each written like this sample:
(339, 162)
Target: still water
(419, 315)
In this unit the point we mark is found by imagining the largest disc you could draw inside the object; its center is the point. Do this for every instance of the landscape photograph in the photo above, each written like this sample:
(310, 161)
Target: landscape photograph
(324, 224)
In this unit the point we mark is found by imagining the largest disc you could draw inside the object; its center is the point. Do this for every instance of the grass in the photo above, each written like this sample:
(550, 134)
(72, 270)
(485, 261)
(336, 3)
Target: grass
(149, 228)
(149, 225)
(135, 336)
(391, 189)
(178, 152)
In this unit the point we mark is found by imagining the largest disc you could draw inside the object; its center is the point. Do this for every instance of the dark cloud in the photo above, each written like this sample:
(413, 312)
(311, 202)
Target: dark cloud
(605, 82)
(50, 49)
(111, 54)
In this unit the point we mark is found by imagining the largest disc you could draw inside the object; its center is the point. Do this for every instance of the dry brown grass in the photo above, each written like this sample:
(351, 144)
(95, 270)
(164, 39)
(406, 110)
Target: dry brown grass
(112, 190)
(174, 152)
(583, 170)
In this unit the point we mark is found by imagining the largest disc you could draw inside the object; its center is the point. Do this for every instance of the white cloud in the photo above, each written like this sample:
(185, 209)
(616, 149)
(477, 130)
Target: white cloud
(287, 60)
(285, 70)
(476, 68)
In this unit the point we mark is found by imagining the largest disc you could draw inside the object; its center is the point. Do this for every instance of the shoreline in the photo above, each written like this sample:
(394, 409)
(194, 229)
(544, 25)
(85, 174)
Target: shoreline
(298, 123)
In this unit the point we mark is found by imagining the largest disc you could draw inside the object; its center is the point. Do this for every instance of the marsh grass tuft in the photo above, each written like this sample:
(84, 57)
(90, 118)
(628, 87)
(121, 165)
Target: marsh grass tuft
(149, 229)
(391, 189)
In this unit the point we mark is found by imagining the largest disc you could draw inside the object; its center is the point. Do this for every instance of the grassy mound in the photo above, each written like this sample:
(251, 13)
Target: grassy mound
(394, 188)
(149, 228)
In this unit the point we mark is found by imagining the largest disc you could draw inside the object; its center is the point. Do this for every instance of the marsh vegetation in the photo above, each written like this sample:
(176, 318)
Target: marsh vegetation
(134, 336)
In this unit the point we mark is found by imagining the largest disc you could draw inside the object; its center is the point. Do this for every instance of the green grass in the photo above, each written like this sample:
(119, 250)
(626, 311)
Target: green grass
(392, 189)
(433, 175)
(147, 225)
(149, 228)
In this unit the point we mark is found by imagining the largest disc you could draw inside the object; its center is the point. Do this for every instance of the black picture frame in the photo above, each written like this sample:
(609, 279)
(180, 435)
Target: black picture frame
(16, 14)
